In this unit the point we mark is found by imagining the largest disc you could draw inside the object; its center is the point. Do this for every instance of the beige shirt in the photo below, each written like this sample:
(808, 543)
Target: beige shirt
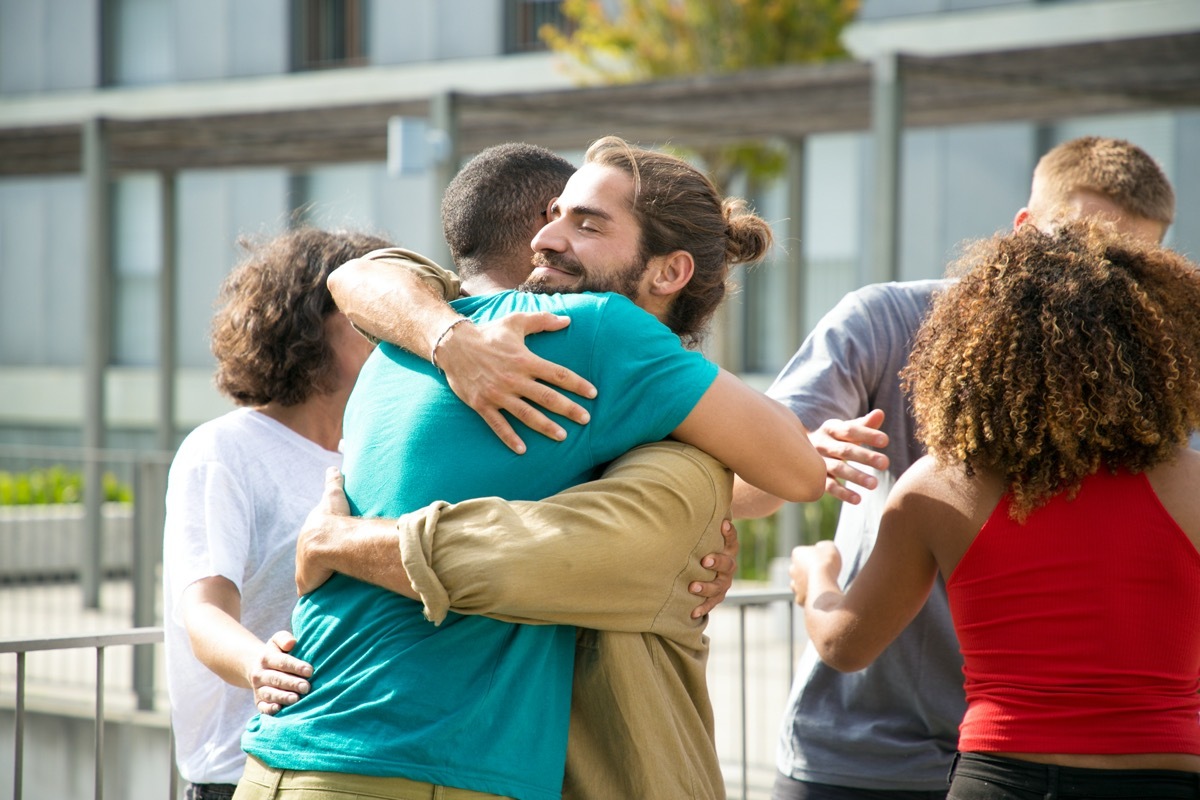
(614, 557)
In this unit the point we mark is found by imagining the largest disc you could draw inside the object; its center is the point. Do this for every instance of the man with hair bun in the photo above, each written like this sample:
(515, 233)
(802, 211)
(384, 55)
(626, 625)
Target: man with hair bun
(890, 730)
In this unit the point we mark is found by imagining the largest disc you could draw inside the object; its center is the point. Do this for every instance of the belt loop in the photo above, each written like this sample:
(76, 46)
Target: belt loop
(1052, 782)
(953, 767)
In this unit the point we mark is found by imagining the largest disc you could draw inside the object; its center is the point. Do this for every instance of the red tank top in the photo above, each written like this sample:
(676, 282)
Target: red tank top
(1080, 629)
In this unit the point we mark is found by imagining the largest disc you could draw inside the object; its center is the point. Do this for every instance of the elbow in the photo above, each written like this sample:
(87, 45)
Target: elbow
(836, 655)
(809, 483)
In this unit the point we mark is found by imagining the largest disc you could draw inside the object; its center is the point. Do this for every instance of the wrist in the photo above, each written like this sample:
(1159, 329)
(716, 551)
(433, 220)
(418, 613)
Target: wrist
(441, 339)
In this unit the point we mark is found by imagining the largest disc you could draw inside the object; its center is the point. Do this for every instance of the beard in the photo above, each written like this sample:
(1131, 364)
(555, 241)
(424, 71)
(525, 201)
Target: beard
(624, 280)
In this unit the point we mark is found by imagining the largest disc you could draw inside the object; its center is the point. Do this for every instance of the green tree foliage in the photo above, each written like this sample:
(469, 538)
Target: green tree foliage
(642, 40)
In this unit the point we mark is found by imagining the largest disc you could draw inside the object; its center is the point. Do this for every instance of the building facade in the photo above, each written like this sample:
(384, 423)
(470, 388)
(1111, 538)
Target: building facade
(60, 58)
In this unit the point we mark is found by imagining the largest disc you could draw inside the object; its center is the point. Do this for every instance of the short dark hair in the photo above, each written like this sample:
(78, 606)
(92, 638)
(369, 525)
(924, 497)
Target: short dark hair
(268, 333)
(491, 208)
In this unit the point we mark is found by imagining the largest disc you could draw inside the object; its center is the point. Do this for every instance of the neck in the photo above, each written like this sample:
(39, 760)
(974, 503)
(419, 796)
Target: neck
(318, 419)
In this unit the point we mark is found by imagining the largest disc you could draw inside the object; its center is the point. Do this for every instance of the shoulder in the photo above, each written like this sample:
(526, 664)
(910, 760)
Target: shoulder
(897, 299)
(403, 255)
(942, 499)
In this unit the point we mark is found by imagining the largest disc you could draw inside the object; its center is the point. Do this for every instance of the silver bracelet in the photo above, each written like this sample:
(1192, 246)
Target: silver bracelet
(441, 337)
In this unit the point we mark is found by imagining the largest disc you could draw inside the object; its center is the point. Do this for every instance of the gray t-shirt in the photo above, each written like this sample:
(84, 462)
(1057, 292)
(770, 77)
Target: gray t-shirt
(893, 725)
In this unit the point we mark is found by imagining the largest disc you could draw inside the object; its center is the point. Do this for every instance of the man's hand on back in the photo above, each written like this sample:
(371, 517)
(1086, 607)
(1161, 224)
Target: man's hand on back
(490, 369)
(724, 564)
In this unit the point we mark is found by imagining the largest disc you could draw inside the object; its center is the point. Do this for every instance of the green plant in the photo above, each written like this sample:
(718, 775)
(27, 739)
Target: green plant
(55, 484)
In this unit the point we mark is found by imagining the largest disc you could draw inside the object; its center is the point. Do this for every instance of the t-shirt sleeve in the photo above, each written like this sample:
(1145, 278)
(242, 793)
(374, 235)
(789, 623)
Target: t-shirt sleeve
(208, 530)
(835, 372)
(647, 381)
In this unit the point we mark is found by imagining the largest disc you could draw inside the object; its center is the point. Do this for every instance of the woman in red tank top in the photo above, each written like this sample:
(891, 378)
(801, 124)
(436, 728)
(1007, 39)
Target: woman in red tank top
(1055, 386)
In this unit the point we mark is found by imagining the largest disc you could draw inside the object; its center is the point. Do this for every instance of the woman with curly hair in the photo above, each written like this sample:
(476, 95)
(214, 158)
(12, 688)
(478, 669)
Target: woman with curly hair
(241, 485)
(1055, 386)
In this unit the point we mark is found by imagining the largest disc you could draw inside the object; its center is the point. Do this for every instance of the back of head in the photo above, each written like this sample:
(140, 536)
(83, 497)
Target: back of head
(1114, 168)
(678, 208)
(268, 333)
(495, 204)
(1057, 354)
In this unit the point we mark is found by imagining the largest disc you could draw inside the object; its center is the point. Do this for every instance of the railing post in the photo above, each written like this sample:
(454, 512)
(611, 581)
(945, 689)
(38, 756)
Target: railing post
(149, 510)
(19, 749)
(99, 723)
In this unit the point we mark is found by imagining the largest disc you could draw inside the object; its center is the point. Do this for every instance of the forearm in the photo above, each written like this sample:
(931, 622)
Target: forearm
(361, 548)
(222, 644)
(394, 300)
(750, 502)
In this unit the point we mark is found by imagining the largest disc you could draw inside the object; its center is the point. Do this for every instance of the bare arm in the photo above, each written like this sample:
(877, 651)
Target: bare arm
(211, 610)
(842, 444)
(850, 629)
(402, 299)
(757, 437)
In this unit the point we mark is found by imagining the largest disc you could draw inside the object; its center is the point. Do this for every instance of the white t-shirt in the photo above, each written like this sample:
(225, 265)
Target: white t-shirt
(237, 494)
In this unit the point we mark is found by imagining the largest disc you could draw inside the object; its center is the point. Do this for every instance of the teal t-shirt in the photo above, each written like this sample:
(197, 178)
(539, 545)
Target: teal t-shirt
(473, 703)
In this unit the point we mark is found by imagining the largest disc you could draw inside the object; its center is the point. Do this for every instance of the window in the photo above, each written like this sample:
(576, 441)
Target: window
(524, 18)
(327, 33)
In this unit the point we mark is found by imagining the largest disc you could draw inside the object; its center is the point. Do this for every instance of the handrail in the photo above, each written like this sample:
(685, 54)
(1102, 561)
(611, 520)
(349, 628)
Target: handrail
(98, 642)
(740, 599)
(131, 636)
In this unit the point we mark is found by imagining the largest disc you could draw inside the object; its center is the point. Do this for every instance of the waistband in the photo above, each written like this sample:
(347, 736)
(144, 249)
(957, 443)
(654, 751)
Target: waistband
(1052, 780)
(276, 780)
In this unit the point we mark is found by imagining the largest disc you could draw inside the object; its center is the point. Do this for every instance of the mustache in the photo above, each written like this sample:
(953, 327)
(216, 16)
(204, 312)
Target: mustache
(557, 261)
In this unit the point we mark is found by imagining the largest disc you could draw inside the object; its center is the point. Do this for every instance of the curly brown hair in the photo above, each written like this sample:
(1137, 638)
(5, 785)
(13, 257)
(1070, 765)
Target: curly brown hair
(268, 333)
(1056, 354)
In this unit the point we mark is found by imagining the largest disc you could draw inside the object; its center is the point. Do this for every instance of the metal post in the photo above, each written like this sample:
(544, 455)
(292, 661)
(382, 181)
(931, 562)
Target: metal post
(19, 749)
(99, 316)
(99, 723)
(797, 264)
(443, 147)
(887, 120)
(167, 329)
(149, 513)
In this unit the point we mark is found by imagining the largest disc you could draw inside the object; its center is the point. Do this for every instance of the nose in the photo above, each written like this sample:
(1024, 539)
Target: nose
(550, 237)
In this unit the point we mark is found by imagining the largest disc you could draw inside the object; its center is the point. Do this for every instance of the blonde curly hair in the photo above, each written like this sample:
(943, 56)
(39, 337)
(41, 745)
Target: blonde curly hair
(1056, 354)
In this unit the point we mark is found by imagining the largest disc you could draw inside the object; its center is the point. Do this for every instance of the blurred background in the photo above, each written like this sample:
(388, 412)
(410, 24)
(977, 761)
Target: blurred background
(140, 139)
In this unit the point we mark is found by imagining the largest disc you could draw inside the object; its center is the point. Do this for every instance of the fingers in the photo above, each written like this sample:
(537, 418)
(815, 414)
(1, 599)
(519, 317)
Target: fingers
(843, 493)
(724, 564)
(499, 425)
(280, 679)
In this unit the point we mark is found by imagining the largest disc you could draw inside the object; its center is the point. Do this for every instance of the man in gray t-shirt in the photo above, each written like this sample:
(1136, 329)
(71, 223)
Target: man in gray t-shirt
(872, 729)
(891, 730)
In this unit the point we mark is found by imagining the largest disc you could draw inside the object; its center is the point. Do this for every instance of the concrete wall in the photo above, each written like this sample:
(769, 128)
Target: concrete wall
(59, 756)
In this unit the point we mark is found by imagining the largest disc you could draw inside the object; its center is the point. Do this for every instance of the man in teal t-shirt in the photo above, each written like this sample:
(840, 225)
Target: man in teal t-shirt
(476, 703)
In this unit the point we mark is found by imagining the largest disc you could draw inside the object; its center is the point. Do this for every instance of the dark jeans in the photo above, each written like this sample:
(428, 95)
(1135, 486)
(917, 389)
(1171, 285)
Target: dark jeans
(209, 791)
(787, 788)
(980, 777)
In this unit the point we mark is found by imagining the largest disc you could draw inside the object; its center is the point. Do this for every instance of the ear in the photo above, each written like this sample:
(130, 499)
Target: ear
(1021, 218)
(668, 274)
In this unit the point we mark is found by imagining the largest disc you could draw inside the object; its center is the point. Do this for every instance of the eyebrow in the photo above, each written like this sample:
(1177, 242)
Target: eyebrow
(584, 211)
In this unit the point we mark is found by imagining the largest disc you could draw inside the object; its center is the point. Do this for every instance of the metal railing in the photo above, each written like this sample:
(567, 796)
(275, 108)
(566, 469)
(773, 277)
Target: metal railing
(99, 643)
(743, 603)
